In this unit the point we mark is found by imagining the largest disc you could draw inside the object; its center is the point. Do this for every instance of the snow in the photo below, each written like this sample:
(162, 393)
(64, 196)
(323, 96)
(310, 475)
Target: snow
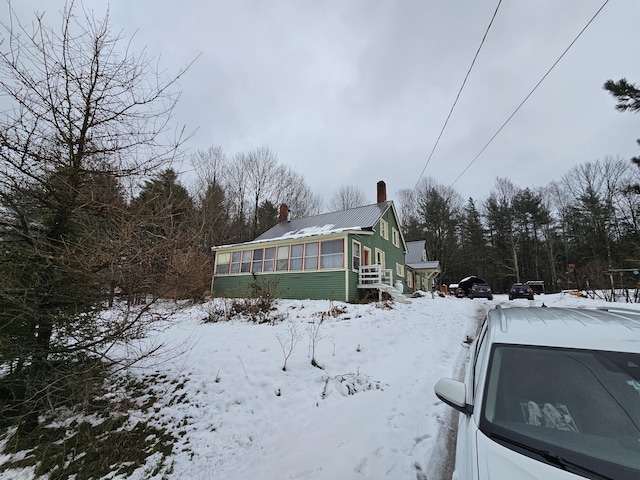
(369, 413)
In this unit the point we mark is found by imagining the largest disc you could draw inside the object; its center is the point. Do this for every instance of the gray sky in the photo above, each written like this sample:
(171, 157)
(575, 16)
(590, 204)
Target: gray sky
(349, 92)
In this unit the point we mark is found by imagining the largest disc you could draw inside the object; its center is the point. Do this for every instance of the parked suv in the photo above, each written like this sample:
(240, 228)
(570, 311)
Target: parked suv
(481, 290)
(520, 290)
(549, 393)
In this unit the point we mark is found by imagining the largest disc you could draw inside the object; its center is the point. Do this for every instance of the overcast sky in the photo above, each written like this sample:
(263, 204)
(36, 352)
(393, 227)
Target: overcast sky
(349, 92)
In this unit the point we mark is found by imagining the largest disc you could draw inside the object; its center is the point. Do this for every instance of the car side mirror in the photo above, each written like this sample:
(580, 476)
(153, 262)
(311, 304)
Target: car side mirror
(453, 393)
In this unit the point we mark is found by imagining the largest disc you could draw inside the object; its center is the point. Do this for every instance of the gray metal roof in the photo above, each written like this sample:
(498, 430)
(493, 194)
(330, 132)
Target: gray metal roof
(358, 218)
(432, 265)
(413, 257)
(414, 251)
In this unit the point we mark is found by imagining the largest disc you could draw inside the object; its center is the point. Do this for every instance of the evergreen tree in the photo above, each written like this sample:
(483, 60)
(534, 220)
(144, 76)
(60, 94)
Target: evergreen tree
(79, 119)
(473, 249)
(628, 96)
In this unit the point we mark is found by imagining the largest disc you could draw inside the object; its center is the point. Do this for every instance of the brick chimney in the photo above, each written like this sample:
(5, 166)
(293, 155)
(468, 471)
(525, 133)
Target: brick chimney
(284, 213)
(382, 192)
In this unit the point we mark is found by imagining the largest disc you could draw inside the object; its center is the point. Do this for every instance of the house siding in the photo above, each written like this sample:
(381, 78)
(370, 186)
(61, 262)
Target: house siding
(317, 285)
(340, 284)
(393, 254)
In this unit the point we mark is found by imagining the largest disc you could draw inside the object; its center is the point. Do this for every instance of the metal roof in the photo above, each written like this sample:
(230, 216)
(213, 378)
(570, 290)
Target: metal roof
(358, 218)
(414, 251)
(432, 265)
(413, 258)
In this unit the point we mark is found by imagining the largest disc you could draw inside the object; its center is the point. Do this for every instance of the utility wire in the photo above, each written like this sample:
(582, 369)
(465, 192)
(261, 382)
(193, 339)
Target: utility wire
(459, 92)
(529, 95)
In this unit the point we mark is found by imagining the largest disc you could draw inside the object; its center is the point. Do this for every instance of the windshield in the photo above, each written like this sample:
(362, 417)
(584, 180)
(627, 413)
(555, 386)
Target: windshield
(578, 406)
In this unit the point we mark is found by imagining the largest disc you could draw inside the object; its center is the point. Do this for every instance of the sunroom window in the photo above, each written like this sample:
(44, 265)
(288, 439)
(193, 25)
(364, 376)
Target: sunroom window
(257, 261)
(283, 259)
(311, 256)
(222, 263)
(269, 257)
(246, 261)
(296, 258)
(235, 262)
(331, 254)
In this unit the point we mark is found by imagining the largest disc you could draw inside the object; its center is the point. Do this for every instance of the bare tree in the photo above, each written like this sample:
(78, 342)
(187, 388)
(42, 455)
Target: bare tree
(406, 199)
(83, 115)
(210, 166)
(262, 174)
(347, 196)
(210, 192)
(289, 341)
(293, 191)
(313, 330)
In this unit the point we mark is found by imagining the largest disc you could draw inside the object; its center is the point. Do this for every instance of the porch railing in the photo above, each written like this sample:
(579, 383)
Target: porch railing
(371, 276)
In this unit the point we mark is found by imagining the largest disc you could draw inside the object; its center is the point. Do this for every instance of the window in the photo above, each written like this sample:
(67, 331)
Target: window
(296, 258)
(578, 405)
(331, 254)
(235, 262)
(380, 257)
(356, 255)
(246, 261)
(384, 229)
(257, 261)
(282, 261)
(311, 256)
(222, 263)
(409, 280)
(269, 256)
(399, 270)
(424, 255)
(303, 256)
(395, 237)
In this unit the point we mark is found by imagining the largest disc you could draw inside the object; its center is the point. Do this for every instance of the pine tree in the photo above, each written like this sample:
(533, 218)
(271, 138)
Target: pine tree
(628, 96)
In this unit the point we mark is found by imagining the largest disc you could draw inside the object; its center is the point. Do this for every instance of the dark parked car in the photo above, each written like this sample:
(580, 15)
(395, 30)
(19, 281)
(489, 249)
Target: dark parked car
(481, 290)
(520, 290)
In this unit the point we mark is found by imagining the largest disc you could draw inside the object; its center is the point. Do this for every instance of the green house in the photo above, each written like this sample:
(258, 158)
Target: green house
(338, 256)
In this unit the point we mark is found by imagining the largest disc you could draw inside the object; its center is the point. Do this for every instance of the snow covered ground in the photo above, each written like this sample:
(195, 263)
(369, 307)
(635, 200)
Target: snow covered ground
(368, 413)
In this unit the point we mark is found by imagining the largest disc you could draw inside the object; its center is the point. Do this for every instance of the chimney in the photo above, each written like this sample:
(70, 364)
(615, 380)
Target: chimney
(284, 213)
(382, 192)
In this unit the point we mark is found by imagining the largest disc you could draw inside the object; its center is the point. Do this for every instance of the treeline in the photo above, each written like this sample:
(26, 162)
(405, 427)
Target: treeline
(581, 231)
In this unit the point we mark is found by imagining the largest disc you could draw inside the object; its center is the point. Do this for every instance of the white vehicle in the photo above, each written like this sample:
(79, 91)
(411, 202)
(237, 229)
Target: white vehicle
(550, 393)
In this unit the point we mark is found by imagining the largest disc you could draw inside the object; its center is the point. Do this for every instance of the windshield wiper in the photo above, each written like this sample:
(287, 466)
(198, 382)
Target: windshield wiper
(552, 458)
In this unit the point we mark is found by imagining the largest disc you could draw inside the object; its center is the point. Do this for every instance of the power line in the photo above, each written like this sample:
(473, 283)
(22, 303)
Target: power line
(529, 95)
(459, 91)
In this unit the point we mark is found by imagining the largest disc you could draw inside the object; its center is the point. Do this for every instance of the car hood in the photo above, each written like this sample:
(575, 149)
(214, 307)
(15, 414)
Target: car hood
(496, 461)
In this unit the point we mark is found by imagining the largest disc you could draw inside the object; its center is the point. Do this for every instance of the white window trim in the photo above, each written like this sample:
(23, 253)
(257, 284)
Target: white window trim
(384, 229)
(395, 236)
(353, 243)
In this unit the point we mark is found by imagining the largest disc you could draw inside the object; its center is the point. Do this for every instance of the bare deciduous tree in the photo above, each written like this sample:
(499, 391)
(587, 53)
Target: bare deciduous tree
(345, 197)
(288, 341)
(313, 330)
(83, 114)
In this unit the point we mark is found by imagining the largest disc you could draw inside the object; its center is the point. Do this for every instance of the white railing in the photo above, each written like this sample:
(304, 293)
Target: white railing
(372, 275)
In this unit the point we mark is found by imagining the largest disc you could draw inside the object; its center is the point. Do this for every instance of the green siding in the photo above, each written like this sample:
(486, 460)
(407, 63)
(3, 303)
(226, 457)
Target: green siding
(340, 285)
(393, 254)
(316, 285)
